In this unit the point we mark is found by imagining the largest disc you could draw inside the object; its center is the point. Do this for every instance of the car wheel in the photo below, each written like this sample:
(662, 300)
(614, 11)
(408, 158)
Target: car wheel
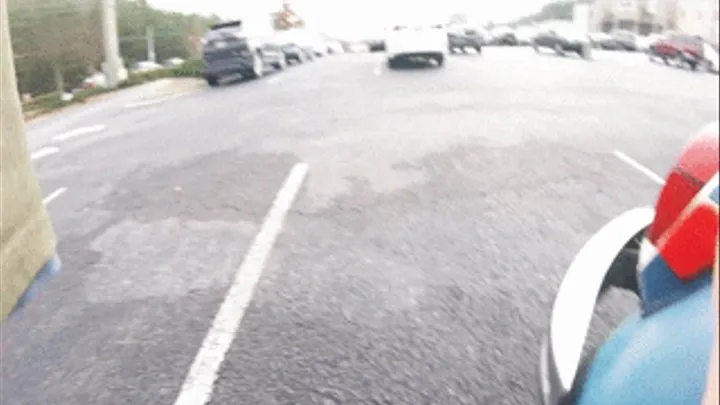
(559, 49)
(392, 63)
(585, 52)
(440, 60)
(212, 81)
(280, 64)
(478, 49)
(536, 48)
(257, 69)
(665, 60)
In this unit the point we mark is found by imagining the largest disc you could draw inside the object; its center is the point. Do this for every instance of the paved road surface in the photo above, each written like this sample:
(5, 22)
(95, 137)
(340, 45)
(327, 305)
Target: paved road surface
(416, 263)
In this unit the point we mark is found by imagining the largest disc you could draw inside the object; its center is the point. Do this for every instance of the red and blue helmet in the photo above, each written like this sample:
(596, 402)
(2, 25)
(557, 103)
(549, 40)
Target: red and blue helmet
(680, 246)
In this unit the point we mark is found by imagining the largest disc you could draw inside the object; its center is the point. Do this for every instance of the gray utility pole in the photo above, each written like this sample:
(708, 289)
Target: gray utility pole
(113, 63)
(150, 32)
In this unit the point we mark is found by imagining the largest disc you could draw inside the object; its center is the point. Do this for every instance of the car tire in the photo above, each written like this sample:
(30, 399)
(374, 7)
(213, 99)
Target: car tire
(536, 48)
(280, 64)
(392, 63)
(585, 52)
(257, 69)
(212, 81)
(478, 49)
(559, 49)
(440, 60)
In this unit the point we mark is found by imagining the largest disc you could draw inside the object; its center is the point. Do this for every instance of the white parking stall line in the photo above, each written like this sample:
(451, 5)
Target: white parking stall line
(44, 151)
(79, 132)
(55, 194)
(642, 169)
(274, 80)
(200, 381)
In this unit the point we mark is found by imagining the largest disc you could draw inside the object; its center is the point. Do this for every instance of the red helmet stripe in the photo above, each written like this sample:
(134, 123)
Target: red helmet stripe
(688, 246)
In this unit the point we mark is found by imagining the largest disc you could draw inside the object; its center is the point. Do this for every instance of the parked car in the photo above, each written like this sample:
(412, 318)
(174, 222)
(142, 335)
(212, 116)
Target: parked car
(712, 58)
(664, 256)
(626, 39)
(416, 41)
(229, 50)
(376, 45)
(602, 40)
(295, 47)
(563, 40)
(525, 35)
(465, 36)
(681, 49)
(334, 47)
(644, 43)
(504, 36)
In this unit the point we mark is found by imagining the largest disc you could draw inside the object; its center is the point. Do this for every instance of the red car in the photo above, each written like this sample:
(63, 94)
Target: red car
(679, 48)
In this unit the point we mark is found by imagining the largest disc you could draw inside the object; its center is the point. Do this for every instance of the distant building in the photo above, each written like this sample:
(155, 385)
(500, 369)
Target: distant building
(698, 17)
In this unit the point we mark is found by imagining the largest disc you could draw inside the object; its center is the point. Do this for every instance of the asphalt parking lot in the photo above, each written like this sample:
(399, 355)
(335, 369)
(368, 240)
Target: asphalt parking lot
(366, 236)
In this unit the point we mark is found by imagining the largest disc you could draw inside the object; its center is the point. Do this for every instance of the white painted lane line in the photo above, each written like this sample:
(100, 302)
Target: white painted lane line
(44, 151)
(200, 380)
(642, 169)
(79, 132)
(145, 103)
(55, 194)
(378, 69)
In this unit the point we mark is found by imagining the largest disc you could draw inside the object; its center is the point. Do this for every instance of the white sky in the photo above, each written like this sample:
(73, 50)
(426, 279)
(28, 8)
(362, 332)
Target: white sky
(358, 17)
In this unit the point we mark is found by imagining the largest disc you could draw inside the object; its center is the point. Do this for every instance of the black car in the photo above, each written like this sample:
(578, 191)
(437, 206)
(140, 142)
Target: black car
(506, 39)
(465, 37)
(563, 41)
(228, 50)
(376, 45)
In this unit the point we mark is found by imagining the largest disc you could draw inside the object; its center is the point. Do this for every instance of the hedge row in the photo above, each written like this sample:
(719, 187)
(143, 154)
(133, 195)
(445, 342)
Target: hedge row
(48, 102)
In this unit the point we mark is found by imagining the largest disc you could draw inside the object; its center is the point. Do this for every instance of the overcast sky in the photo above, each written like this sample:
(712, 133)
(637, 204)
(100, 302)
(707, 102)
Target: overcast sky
(356, 17)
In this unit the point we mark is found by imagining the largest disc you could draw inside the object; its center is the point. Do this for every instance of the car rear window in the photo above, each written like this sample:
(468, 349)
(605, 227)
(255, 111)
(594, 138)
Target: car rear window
(229, 37)
(686, 40)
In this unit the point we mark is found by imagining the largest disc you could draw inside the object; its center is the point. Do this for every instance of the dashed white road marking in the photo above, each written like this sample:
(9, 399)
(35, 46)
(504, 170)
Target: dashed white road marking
(145, 103)
(198, 385)
(55, 194)
(642, 169)
(44, 151)
(79, 132)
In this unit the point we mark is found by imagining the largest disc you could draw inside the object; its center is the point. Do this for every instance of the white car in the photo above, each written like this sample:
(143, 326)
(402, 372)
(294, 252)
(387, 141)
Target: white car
(421, 41)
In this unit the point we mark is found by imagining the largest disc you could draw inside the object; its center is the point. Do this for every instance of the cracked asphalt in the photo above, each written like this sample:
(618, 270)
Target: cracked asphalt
(417, 265)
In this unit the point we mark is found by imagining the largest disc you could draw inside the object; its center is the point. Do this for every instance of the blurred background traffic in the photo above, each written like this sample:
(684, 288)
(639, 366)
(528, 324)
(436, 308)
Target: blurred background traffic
(154, 41)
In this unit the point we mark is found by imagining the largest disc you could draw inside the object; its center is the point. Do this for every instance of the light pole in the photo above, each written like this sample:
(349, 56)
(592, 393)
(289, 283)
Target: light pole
(113, 62)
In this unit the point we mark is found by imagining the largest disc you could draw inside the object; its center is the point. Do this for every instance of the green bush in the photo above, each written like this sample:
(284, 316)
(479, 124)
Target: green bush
(189, 68)
(51, 101)
(83, 95)
(45, 102)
